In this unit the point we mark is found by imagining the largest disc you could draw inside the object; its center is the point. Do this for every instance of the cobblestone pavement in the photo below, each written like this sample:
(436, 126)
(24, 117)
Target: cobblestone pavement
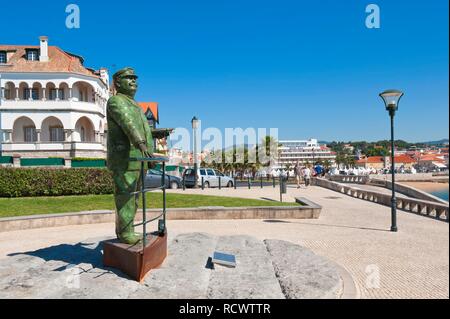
(413, 263)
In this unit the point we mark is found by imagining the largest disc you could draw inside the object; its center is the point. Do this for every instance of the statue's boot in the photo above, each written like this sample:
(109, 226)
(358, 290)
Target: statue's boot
(130, 238)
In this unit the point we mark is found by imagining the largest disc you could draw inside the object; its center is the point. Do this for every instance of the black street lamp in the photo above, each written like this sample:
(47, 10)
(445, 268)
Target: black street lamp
(391, 99)
(195, 123)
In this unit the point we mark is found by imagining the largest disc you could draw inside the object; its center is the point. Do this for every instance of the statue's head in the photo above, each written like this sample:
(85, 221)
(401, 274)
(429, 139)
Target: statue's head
(125, 81)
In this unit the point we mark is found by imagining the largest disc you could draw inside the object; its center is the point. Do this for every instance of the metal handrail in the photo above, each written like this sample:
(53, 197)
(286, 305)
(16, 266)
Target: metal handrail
(148, 190)
(143, 191)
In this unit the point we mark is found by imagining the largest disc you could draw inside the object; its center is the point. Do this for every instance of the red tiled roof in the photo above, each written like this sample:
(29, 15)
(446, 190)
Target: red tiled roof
(404, 159)
(431, 157)
(371, 160)
(59, 61)
(152, 106)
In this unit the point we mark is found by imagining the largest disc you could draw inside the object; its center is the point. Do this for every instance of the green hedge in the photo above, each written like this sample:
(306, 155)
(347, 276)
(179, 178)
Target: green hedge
(21, 182)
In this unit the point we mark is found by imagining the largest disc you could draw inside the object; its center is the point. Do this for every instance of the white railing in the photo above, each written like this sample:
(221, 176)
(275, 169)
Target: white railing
(46, 146)
(51, 105)
(354, 179)
(87, 146)
(412, 205)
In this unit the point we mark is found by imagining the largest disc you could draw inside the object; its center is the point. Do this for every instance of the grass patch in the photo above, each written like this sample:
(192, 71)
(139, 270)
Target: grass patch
(10, 207)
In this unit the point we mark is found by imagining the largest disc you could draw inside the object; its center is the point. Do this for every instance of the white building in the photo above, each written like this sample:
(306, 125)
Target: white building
(50, 104)
(306, 151)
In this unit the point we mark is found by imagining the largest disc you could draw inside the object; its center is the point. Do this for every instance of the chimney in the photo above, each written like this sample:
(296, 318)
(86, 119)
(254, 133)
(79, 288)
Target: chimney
(104, 76)
(43, 41)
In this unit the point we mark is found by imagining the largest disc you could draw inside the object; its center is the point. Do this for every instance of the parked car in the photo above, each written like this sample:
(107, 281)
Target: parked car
(153, 179)
(210, 178)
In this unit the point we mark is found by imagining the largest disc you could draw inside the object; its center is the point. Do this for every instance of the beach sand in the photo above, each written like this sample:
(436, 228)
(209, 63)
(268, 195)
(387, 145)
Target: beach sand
(428, 187)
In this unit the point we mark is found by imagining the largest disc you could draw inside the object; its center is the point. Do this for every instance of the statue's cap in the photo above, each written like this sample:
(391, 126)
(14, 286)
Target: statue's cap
(124, 72)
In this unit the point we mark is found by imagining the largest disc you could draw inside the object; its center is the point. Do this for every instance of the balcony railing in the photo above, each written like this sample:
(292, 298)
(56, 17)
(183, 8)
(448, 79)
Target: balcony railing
(52, 146)
(52, 105)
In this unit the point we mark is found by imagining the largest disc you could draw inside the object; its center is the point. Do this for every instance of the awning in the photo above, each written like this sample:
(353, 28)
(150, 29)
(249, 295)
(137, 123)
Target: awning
(439, 165)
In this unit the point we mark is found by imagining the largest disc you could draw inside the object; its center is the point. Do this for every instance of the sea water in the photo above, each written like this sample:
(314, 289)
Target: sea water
(443, 193)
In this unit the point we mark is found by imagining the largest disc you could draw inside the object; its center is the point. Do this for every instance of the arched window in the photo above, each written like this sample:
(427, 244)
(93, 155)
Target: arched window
(24, 130)
(52, 130)
(63, 92)
(84, 130)
(83, 92)
(24, 91)
(36, 91)
(10, 91)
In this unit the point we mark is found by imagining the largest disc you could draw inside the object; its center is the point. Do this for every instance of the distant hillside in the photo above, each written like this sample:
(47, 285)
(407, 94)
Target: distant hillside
(440, 142)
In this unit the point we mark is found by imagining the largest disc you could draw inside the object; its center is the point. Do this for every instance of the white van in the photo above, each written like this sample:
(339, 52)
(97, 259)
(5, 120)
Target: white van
(209, 176)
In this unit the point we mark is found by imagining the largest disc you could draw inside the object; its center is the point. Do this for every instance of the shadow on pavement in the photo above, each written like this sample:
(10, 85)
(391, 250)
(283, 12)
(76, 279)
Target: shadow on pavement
(73, 255)
(269, 199)
(276, 221)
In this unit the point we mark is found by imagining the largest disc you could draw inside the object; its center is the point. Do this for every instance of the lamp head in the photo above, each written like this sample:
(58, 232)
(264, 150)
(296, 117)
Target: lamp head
(194, 122)
(391, 99)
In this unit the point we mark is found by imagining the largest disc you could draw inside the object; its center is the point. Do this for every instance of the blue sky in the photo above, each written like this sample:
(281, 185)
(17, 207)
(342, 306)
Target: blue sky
(309, 68)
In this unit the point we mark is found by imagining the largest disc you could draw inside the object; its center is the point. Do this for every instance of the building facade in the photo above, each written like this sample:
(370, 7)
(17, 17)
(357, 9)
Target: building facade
(402, 161)
(303, 151)
(373, 162)
(51, 105)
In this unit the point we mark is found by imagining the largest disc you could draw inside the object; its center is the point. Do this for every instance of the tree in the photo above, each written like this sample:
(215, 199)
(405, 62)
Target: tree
(269, 145)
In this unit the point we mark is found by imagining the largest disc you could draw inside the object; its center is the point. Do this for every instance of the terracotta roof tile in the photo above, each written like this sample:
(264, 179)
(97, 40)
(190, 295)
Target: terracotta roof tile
(59, 61)
(371, 160)
(152, 106)
(404, 159)
(431, 157)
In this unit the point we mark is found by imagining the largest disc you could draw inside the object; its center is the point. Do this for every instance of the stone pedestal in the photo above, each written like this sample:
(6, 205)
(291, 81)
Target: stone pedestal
(135, 260)
(16, 160)
(68, 162)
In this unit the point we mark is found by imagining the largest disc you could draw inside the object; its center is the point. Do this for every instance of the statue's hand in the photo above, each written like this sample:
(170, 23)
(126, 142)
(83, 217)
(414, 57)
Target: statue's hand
(144, 150)
(161, 133)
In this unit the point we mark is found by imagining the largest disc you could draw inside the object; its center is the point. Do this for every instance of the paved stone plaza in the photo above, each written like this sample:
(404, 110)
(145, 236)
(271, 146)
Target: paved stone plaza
(271, 269)
(413, 263)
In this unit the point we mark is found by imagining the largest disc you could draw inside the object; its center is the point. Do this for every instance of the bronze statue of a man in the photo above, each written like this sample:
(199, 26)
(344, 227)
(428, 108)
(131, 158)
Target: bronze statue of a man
(129, 135)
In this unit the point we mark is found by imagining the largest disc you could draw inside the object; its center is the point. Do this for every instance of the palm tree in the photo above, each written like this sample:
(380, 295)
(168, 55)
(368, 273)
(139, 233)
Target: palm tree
(267, 145)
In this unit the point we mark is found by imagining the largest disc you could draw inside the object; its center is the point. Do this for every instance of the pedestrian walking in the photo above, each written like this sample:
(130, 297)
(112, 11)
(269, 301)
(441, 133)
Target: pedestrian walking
(307, 176)
(298, 173)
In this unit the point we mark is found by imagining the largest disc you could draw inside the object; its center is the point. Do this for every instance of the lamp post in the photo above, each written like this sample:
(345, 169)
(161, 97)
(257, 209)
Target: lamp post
(195, 122)
(391, 99)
